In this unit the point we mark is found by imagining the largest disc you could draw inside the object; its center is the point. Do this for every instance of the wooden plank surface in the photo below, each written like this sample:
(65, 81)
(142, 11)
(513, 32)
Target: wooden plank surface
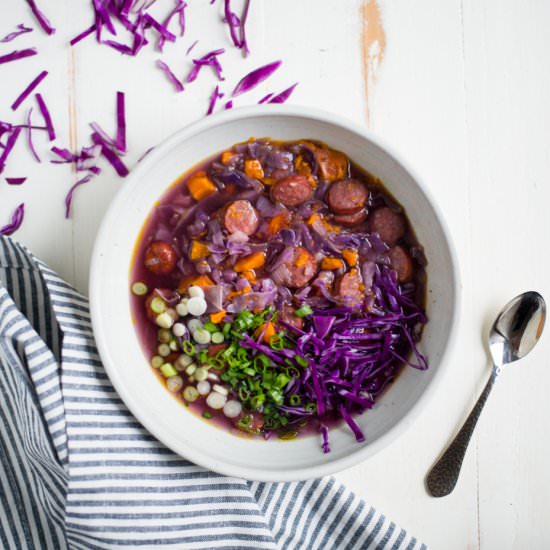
(461, 88)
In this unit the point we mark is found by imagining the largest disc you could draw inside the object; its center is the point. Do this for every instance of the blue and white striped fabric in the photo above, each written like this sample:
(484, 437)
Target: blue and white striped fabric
(78, 471)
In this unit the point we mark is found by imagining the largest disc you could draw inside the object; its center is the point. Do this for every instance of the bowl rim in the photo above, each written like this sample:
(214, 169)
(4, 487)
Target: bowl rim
(102, 341)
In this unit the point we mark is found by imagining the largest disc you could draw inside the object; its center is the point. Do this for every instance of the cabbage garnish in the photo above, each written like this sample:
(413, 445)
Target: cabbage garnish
(28, 90)
(17, 54)
(46, 116)
(255, 77)
(15, 222)
(21, 29)
(41, 18)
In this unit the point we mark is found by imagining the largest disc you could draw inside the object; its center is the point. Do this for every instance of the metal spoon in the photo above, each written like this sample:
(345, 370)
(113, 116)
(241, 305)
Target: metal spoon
(514, 334)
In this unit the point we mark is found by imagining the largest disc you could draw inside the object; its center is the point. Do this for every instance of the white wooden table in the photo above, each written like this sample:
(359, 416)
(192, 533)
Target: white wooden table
(462, 89)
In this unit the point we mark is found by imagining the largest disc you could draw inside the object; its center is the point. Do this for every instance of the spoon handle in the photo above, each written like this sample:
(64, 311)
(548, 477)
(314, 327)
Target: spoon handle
(443, 476)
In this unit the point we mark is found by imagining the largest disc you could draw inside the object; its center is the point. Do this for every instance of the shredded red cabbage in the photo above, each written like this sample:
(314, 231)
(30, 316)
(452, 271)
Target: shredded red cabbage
(82, 35)
(284, 95)
(21, 29)
(46, 116)
(28, 90)
(171, 76)
(29, 137)
(179, 10)
(110, 155)
(15, 222)
(70, 194)
(190, 48)
(252, 79)
(121, 122)
(216, 94)
(17, 54)
(265, 99)
(12, 139)
(237, 26)
(41, 18)
(211, 60)
(15, 181)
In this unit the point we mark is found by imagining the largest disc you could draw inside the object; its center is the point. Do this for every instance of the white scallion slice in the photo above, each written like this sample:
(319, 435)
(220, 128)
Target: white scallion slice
(232, 409)
(217, 337)
(157, 361)
(195, 292)
(203, 387)
(190, 394)
(216, 400)
(201, 336)
(139, 288)
(164, 350)
(200, 374)
(196, 306)
(175, 383)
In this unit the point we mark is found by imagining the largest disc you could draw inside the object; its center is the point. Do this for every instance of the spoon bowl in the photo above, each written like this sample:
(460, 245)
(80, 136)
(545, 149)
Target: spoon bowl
(517, 328)
(513, 335)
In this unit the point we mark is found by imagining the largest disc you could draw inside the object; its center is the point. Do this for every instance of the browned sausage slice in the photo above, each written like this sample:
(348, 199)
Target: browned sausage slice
(349, 220)
(287, 316)
(350, 289)
(347, 196)
(332, 164)
(160, 258)
(402, 263)
(241, 216)
(297, 270)
(390, 225)
(292, 190)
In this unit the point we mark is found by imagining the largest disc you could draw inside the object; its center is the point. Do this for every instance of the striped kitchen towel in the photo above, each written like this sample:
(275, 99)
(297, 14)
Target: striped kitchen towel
(78, 471)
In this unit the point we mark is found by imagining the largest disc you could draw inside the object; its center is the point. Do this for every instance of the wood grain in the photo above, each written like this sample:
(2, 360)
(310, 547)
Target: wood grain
(373, 47)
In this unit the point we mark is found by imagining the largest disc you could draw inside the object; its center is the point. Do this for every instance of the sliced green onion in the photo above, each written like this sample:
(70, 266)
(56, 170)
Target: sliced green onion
(311, 407)
(276, 342)
(158, 305)
(168, 370)
(288, 436)
(226, 329)
(245, 421)
(139, 288)
(188, 347)
(257, 401)
(210, 327)
(244, 394)
(190, 394)
(302, 361)
(303, 311)
(157, 361)
(201, 336)
(207, 414)
(217, 337)
(200, 374)
(173, 345)
(164, 350)
(294, 400)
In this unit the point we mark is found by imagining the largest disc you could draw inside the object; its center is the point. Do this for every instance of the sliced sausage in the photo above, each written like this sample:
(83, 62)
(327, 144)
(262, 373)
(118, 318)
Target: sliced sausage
(350, 220)
(350, 289)
(292, 190)
(241, 216)
(402, 263)
(287, 316)
(160, 258)
(297, 270)
(347, 196)
(388, 223)
(332, 164)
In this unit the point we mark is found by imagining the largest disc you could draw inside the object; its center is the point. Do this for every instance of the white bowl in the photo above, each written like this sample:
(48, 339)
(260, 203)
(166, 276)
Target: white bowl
(121, 352)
